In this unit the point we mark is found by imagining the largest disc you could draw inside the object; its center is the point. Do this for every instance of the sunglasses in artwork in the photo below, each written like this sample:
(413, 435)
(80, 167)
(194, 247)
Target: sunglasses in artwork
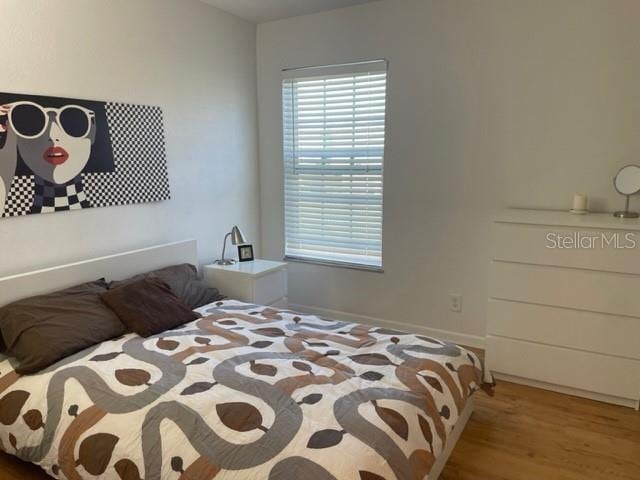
(30, 120)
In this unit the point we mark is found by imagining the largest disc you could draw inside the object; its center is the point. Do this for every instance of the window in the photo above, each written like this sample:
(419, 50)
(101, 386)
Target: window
(334, 132)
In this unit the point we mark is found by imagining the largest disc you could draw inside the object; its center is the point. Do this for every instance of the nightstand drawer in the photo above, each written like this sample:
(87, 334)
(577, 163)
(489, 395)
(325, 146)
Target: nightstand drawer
(270, 288)
(262, 282)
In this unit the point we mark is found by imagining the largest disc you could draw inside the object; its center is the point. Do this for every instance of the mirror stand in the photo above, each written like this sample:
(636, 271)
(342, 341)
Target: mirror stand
(626, 213)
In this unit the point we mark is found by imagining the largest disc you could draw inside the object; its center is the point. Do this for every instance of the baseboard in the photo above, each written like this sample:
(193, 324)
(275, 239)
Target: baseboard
(446, 335)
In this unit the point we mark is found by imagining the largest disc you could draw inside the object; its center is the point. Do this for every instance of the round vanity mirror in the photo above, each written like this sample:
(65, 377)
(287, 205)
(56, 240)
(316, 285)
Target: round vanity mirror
(627, 182)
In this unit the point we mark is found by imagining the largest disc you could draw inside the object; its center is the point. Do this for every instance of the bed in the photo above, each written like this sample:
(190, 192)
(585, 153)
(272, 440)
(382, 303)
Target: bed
(244, 392)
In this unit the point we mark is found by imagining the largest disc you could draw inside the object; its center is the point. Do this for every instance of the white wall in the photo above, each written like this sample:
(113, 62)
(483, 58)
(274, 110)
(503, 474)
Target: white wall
(191, 59)
(492, 103)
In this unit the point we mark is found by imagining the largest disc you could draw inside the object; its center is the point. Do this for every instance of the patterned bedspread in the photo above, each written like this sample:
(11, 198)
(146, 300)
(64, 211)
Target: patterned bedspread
(246, 392)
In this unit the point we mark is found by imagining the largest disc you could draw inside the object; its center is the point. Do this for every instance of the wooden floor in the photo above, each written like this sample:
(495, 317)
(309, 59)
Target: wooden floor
(524, 433)
(520, 434)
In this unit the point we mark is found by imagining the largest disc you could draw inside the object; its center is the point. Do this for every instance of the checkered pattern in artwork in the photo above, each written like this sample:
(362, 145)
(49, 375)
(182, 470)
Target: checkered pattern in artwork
(50, 197)
(20, 196)
(137, 139)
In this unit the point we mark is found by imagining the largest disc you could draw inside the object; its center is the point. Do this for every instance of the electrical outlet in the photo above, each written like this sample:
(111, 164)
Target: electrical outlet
(455, 302)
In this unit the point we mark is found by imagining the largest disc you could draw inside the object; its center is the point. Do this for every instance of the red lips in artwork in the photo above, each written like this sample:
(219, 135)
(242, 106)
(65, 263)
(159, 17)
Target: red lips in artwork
(55, 155)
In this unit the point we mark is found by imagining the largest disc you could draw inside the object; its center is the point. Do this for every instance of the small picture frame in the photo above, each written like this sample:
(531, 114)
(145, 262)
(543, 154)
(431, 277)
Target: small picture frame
(245, 253)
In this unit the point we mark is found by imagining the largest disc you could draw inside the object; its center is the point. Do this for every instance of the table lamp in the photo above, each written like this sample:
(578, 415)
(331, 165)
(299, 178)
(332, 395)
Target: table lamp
(237, 238)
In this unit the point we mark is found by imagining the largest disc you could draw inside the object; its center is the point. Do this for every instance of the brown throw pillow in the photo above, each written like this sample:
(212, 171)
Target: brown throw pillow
(184, 283)
(39, 331)
(148, 306)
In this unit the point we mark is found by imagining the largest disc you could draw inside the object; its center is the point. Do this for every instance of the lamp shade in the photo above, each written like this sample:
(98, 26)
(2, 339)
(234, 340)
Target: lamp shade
(237, 237)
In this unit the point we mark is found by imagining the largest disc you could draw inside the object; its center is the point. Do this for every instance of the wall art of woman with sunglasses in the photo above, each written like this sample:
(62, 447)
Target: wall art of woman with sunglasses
(54, 144)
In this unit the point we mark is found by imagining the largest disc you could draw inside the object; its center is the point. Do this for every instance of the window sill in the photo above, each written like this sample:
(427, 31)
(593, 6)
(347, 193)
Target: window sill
(332, 263)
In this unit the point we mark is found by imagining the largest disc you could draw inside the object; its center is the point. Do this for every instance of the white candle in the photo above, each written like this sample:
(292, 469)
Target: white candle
(580, 202)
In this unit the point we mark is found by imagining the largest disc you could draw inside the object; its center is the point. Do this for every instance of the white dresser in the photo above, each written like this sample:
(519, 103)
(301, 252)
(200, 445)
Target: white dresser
(564, 303)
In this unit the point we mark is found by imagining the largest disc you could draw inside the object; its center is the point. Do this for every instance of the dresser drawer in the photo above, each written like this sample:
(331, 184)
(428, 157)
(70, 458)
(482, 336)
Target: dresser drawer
(603, 292)
(592, 372)
(529, 244)
(596, 332)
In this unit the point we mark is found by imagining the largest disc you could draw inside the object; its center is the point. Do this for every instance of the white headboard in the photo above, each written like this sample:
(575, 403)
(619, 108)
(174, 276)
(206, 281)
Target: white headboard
(112, 267)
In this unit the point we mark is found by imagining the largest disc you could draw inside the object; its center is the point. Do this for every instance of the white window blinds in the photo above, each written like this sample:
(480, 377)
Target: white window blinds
(334, 132)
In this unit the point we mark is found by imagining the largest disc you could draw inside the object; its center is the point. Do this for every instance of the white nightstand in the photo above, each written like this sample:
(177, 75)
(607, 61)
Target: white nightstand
(263, 282)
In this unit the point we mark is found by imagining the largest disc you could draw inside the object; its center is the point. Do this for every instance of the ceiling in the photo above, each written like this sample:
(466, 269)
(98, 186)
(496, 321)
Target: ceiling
(259, 11)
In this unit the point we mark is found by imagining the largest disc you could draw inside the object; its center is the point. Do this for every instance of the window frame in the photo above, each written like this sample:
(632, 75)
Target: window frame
(316, 71)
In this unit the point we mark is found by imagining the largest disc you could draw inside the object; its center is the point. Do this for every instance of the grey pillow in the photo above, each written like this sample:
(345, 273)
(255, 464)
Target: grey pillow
(39, 331)
(183, 282)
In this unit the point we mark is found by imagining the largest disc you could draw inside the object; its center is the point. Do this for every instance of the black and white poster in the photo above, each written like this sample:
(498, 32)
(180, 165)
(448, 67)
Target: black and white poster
(59, 154)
